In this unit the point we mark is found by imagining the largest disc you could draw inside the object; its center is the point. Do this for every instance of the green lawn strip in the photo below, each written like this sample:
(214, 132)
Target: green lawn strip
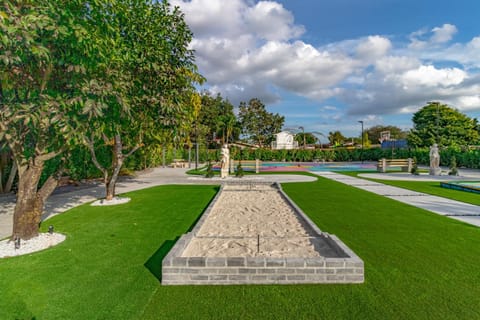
(429, 187)
(99, 272)
(418, 265)
(418, 262)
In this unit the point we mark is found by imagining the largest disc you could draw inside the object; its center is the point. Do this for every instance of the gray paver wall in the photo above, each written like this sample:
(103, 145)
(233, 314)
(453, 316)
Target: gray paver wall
(244, 270)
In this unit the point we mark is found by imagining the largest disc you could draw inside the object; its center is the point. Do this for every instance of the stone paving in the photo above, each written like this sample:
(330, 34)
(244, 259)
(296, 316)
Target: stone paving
(65, 198)
(461, 211)
(62, 201)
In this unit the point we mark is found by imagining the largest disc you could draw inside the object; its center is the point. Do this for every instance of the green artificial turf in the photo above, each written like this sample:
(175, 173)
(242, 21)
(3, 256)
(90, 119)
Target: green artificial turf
(429, 187)
(418, 265)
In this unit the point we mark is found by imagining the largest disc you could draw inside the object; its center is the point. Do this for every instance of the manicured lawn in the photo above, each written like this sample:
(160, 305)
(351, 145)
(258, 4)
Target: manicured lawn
(431, 187)
(418, 265)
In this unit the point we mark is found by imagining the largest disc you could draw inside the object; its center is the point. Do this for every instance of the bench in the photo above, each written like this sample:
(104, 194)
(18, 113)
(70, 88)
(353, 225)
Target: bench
(406, 165)
(179, 163)
(253, 165)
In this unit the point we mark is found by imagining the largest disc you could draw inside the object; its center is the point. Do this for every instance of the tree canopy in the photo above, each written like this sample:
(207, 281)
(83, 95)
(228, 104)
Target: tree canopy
(117, 71)
(146, 82)
(218, 120)
(307, 137)
(441, 124)
(257, 123)
(375, 131)
(336, 138)
(45, 55)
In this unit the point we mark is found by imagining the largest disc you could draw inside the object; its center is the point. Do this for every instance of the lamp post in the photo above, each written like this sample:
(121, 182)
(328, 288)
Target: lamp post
(361, 155)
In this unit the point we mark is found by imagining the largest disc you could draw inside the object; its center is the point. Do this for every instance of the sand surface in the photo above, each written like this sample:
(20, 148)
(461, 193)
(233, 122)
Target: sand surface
(252, 220)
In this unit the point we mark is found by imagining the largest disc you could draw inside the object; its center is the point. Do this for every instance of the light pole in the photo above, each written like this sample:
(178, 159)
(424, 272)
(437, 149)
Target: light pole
(361, 155)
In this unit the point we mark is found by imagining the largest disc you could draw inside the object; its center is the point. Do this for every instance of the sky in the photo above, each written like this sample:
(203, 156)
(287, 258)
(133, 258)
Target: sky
(327, 64)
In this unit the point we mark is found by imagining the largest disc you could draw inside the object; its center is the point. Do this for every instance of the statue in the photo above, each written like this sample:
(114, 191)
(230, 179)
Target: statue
(225, 163)
(434, 161)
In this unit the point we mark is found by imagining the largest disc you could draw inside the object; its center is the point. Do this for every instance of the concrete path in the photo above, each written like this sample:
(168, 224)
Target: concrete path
(65, 198)
(454, 209)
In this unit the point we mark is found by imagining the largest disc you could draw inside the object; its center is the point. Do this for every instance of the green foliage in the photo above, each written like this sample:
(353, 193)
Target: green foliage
(453, 167)
(438, 123)
(42, 66)
(395, 133)
(217, 120)
(257, 123)
(239, 172)
(209, 173)
(310, 138)
(336, 138)
(148, 76)
(415, 170)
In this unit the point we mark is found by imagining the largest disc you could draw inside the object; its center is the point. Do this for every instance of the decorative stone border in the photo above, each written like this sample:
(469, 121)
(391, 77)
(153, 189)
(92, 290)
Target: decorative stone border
(346, 267)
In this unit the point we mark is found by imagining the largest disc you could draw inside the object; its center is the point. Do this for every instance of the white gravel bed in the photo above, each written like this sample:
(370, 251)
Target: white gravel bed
(114, 201)
(41, 242)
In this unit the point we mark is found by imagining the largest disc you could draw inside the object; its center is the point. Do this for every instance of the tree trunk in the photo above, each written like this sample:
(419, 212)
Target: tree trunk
(117, 163)
(30, 202)
(11, 178)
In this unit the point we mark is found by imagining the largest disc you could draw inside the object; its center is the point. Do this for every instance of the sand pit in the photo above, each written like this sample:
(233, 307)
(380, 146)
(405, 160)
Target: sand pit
(251, 221)
(254, 233)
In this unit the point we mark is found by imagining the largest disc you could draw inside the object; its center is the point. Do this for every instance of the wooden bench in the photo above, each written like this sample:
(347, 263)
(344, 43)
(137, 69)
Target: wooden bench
(254, 165)
(179, 163)
(406, 165)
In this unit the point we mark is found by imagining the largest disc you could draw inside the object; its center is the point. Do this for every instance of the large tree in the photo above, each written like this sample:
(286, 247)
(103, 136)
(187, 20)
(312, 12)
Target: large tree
(306, 138)
(218, 119)
(336, 138)
(45, 53)
(147, 84)
(374, 133)
(257, 123)
(441, 124)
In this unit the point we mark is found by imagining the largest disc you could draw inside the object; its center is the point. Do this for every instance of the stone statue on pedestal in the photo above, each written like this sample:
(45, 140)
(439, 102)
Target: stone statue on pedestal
(434, 161)
(225, 163)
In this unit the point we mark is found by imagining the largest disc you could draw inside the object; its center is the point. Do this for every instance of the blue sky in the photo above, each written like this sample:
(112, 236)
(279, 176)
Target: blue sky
(324, 65)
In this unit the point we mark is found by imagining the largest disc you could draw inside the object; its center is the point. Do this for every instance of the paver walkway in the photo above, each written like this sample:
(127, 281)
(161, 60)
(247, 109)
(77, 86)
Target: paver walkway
(61, 201)
(454, 209)
(64, 199)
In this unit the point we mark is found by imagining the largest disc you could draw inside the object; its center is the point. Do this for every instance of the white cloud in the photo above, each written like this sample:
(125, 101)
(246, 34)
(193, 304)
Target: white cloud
(270, 21)
(393, 65)
(466, 54)
(438, 35)
(214, 18)
(429, 76)
(443, 34)
(251, 49)
(373, 48)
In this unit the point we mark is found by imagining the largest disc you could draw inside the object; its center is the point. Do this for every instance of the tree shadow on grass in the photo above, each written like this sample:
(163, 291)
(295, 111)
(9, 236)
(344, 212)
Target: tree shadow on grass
(154, 263)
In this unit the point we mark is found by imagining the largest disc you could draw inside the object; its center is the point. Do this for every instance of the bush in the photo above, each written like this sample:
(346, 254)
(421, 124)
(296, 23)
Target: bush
(209, 173)
(453, 167)
(415, 170)
(239, 173)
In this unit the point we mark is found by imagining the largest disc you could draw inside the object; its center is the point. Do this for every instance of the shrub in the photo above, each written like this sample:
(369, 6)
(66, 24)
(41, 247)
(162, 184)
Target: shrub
(415, 170)
(209, 173)
(453, 167)
(239, 173)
